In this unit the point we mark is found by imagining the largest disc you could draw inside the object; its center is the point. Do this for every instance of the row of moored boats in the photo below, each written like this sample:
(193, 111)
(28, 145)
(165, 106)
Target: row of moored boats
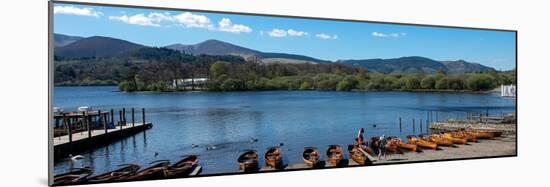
(360, 152)
(131, 172)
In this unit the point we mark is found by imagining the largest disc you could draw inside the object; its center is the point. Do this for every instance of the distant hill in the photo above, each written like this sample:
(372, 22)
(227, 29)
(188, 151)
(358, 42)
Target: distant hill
(60, 40)
(216, 47)
(461, 66)
(415, 63)
(96, 46)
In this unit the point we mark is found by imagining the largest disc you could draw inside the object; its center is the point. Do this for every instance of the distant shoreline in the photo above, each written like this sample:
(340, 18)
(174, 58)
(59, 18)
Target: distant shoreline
(212, 91)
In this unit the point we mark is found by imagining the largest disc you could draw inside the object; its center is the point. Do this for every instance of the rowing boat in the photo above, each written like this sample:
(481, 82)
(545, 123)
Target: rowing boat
(182, 168)
(357, 155)
(407, 146)
(481, 134)
(248, 161)
(73, 176)
(462, 135)
(274, 157)
(154, 171)
(334, 154)
(454, 139)
(439, 140)
(124, 171)
(311, 156)
(421, 143)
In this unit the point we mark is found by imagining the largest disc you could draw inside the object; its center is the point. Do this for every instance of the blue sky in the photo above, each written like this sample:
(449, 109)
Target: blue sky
(323, 39)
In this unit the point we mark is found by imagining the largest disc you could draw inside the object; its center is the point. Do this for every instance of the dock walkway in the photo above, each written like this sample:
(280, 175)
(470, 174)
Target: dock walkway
(83, 141)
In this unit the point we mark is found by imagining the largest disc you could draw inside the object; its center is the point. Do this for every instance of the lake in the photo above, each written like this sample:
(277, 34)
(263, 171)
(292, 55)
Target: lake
(229, 120)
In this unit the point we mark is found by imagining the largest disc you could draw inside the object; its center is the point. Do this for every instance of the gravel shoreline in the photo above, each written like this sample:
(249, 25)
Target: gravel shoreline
(500, 146)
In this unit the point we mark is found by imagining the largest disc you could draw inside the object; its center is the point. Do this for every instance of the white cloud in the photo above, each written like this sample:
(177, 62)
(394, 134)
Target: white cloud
(292, 32)
(72, 10)
(278, 33)
(138, 19)
(185, 19)
(227, 26)
(388, 35)
(326, 36)
(192, 20)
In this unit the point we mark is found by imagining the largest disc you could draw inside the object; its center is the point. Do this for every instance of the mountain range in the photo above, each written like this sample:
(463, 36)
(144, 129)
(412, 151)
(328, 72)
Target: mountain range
(99, 46)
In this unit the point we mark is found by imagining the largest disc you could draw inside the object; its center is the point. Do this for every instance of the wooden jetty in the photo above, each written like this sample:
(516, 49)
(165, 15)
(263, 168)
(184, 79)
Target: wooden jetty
(81, 131)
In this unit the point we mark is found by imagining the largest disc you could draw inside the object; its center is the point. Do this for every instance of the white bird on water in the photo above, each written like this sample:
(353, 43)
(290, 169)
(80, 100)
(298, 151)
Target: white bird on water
(76, 157)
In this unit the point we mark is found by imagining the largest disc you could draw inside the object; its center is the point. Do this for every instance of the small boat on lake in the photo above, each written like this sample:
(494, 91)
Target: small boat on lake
(334, 154)
(73, 176)
(124, 171)
(421, 143)
(182, 168)
(248, 161)
(358, 155)
(311, 157)
(274, 157)
(154, 171)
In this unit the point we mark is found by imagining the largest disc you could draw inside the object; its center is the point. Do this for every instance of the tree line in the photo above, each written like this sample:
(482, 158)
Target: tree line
(154, 69)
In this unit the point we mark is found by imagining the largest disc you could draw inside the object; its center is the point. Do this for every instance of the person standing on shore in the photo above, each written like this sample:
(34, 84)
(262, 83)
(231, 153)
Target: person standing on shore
(359, 140)
(382, 147)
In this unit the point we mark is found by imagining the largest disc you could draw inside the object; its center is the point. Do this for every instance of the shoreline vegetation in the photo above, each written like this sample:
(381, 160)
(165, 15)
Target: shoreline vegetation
(158, 69)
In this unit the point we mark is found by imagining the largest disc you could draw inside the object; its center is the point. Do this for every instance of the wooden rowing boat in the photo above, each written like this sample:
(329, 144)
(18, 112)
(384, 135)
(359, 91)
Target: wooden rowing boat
(439, 140)
(248, 161)
(358, 155)
(182, 168)
(421, 143)
(455, 140)
(154, 171)
(462, 135)
(274, 157)
(481, 134)
(392, 145)
(124, 171)
(73, 176)
(311, 157)
(497, 133)
(334, 154)
(407, 146)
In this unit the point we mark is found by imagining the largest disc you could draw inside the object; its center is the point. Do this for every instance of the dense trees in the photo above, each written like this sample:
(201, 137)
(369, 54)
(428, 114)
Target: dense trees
(154, 69)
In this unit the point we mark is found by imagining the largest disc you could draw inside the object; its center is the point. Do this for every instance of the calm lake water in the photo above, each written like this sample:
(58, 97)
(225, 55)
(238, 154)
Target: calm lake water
(228, 120)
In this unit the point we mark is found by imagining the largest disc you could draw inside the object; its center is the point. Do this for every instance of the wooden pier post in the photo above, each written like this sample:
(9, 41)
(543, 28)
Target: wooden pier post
(427, 126)
(86, 123)
(427, 115)
(143, 115)
(69, 128)
(400, 124)
(112, 117)
(436, 116)
(414, 128)
(124, 115)
(420, 125)
(104, 121)
(133, 121)
(120, 117)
